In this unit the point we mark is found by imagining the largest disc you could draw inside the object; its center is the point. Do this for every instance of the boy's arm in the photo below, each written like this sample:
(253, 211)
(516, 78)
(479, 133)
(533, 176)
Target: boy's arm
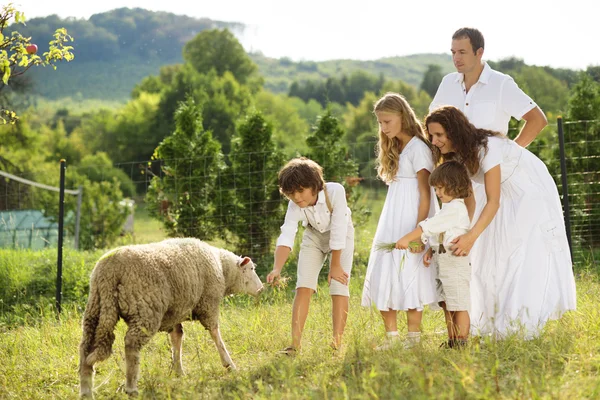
(403, 242)
(281, 255)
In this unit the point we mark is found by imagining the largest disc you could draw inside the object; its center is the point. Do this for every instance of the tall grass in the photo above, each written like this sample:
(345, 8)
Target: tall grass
(39, 358)
(39, 353)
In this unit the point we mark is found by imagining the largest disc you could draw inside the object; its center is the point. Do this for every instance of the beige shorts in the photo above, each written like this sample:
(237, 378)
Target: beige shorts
(453, 281)
(313, 251)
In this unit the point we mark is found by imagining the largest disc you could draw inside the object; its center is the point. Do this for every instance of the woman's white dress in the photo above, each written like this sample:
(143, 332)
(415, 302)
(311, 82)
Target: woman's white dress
(387, 287)
(522, 269)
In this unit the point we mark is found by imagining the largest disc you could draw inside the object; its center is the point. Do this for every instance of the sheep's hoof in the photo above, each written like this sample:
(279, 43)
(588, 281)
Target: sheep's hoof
(231, 367)
(86, 395)
(130, 392)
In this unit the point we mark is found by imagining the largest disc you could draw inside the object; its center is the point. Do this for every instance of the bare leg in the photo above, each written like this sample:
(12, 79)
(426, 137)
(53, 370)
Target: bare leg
(299, 314)
(414, 318)
(176, 339)
(339, 315)
(225, 358)
(390, 320)
(449, 322)
(462, 324)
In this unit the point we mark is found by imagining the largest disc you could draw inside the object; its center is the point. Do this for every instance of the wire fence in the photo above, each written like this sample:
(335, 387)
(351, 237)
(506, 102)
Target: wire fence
(237, 203)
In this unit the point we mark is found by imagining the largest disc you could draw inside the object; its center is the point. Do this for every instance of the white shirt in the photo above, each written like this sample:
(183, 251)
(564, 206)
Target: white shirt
(490, 102)
(452, 220)
(319, 217)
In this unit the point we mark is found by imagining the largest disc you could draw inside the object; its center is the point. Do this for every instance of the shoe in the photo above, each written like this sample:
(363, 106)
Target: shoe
(289, 351)
(389, 343)
(454, 344)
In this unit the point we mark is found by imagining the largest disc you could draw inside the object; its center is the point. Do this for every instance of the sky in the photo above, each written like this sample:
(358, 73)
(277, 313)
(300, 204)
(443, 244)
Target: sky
(560, 34)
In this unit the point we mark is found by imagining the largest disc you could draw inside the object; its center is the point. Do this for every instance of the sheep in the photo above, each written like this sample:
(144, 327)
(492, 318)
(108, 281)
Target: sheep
(154, 287)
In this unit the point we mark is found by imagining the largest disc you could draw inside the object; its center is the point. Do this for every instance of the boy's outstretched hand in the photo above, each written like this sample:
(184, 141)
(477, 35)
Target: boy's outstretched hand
(273, 276)
(338, 274)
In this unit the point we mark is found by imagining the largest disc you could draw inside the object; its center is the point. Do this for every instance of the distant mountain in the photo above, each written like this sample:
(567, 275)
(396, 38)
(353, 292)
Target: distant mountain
(279, 73)
(115, 50)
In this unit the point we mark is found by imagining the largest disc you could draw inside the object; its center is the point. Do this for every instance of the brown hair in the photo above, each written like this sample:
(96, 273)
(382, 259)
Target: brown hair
(387, 151)
(466, 139)
(453, 177)
(300, 173)
(474, 36)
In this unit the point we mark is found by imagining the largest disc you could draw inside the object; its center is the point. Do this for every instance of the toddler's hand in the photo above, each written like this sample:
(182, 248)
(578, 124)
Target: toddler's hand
(402, 244)
(428, 257)
(416, 246)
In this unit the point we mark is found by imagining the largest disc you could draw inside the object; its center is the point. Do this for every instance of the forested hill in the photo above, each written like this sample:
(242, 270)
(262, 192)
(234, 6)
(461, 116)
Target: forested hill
(115, 50)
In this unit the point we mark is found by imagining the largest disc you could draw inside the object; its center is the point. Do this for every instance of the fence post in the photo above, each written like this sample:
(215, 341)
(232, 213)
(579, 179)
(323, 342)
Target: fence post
(61, 212)
(563, 178)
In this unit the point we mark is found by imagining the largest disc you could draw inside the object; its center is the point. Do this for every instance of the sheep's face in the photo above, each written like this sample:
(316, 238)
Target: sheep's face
(251, 283)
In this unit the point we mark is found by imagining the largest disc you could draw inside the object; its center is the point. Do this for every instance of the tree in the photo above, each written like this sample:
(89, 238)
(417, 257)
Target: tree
(432, 79)
(327, 148)
(224, 101)
(581, 130)
(289, 128)
(185, 195)
(18, 54)
(219, 50)
(254, 211)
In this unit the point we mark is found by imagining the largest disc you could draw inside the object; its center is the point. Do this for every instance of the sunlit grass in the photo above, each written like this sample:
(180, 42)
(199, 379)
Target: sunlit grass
(39, 360)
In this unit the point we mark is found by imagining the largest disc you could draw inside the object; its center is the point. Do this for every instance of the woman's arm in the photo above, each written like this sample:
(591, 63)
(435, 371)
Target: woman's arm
(464, 243)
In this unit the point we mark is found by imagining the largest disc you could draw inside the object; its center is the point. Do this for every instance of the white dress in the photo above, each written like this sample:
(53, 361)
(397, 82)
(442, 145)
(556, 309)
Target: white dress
(387, 287)
(522, 269)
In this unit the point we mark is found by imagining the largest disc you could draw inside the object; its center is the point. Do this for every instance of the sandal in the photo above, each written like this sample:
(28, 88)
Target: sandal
(288, 351)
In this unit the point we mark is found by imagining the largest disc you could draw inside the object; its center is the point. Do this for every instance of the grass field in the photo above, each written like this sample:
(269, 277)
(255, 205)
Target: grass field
(39, 359)
(39, 353)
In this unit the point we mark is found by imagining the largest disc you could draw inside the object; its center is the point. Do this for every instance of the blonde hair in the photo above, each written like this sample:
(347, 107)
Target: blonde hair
(388, 150)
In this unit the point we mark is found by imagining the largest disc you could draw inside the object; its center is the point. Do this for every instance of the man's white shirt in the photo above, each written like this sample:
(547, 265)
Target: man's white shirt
(490, 102)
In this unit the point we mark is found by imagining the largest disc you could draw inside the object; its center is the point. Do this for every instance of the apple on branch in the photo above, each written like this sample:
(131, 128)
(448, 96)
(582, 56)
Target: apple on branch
(31, 49)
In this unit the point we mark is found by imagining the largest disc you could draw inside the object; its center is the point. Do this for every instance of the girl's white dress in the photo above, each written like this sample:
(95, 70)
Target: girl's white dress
(387, 287)
(522, 270)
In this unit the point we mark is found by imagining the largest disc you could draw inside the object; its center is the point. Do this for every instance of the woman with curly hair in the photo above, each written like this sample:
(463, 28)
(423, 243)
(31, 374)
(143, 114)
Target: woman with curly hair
(522, 269)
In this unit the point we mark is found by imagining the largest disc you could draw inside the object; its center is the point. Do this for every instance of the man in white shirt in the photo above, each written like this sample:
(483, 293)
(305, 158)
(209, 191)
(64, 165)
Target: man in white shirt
(487, 97)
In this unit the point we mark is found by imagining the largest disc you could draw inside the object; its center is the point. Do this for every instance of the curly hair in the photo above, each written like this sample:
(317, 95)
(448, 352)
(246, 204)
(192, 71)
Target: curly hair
(300, 173)
(467, 140)
(388, 150)
(453, 177)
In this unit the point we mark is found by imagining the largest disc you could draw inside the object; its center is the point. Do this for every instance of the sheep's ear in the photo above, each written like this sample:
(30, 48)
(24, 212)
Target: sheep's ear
(244, 261)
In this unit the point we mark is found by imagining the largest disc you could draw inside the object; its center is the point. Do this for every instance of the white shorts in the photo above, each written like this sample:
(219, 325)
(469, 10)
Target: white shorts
(453, 281)
(313, 251)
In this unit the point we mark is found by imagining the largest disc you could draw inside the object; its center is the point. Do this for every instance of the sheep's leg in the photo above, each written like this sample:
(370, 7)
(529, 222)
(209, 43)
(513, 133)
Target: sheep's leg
(86, 373)
(135, 338)
(225, 358)
(176, 340)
